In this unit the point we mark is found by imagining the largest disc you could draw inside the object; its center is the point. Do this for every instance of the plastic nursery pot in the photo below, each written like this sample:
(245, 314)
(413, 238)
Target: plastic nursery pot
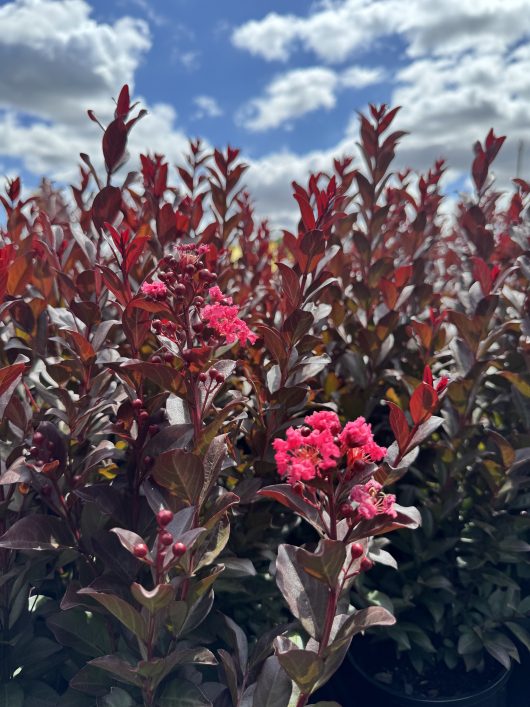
(493, 695)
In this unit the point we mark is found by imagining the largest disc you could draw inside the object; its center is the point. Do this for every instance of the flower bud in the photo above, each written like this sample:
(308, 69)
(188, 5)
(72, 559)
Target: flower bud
(137, 404)
(148, 460)
(356, 551)
(143, 415)
(38, 438)
(366, 564)
(156, 359)
(166, 538)
(164, 517)
(140, 550)
(179, 549)
(204, 275)
(203, 377)
(346, 510)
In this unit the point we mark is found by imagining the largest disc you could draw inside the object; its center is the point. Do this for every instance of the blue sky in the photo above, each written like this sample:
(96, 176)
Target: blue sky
(282, 80)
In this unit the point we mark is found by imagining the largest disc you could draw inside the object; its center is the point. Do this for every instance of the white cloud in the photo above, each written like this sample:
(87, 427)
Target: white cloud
(467, 69)
(362, 76)
(190, 60)
(57, 62)
(291, 95)
(333, 31)
(55, 56)
(295, 93)
(207, 107)
(269, 38)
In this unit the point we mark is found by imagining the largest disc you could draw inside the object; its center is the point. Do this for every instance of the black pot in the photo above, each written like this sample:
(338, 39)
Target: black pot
(494, 695)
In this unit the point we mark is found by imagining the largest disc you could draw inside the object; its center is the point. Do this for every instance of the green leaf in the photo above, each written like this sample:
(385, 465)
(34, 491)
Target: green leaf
(182, 473)
(303, 667)
(361, 620)
(182, 693)
(84, 631)
(273, 687)
(517, 381)
(306, 596)
(159, 668)
(117, 698)
(120, 668)
(520, 632)
(11, 695)
(325, 563)
(39, 694)
(154, 599)
(38, 532)
(122, 610)
(90, 680)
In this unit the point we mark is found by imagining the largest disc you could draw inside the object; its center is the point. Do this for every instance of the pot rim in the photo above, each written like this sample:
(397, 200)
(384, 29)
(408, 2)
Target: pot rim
(490, 689)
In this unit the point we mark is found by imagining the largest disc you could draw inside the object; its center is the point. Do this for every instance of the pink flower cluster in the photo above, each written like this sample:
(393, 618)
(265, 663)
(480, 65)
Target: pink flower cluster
(358, 439)
(308, 452)
(157, 290)
(371, 501)
(221, 316)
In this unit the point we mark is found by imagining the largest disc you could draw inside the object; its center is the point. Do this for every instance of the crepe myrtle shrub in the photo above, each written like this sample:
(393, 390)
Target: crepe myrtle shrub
(130, 366)
(155, 341)
(462, 594)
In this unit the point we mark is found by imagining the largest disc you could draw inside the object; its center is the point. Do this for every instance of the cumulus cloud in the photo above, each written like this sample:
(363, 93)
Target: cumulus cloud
(335, 29)
(294, 93)
(291, 95)
(207, 107)
(54, 56)
(465, 68)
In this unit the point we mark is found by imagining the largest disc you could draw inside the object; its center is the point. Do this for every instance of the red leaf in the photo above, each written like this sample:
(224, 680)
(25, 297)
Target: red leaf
(427, 376)
(388, 118)
(114, 143)
(423, 403)
(481, 273)
(480, 170)
(106, 205)
(308, 218)
(123, 104)
(290, 284)
(399, 425)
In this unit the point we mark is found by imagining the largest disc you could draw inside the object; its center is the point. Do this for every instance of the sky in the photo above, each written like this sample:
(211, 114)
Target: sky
(283, 80)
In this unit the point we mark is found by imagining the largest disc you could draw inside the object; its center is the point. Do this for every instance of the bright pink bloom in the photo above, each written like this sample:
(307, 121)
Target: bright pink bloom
(304, 454)
(356, 433)
(371, 501)
(217, 296)
(222, 317)
(324, 420)
(156, 290)
(358, 441)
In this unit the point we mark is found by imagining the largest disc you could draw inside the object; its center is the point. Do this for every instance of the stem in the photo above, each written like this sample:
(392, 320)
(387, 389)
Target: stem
(330, 616)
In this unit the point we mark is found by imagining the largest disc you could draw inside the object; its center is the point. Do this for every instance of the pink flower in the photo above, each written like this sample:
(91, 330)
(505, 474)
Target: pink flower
(223, 319)
(371, 501)
(358, 441)
(324, 420)
(305, 454)
(156, 290)
(217, 296)
(356, 433)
